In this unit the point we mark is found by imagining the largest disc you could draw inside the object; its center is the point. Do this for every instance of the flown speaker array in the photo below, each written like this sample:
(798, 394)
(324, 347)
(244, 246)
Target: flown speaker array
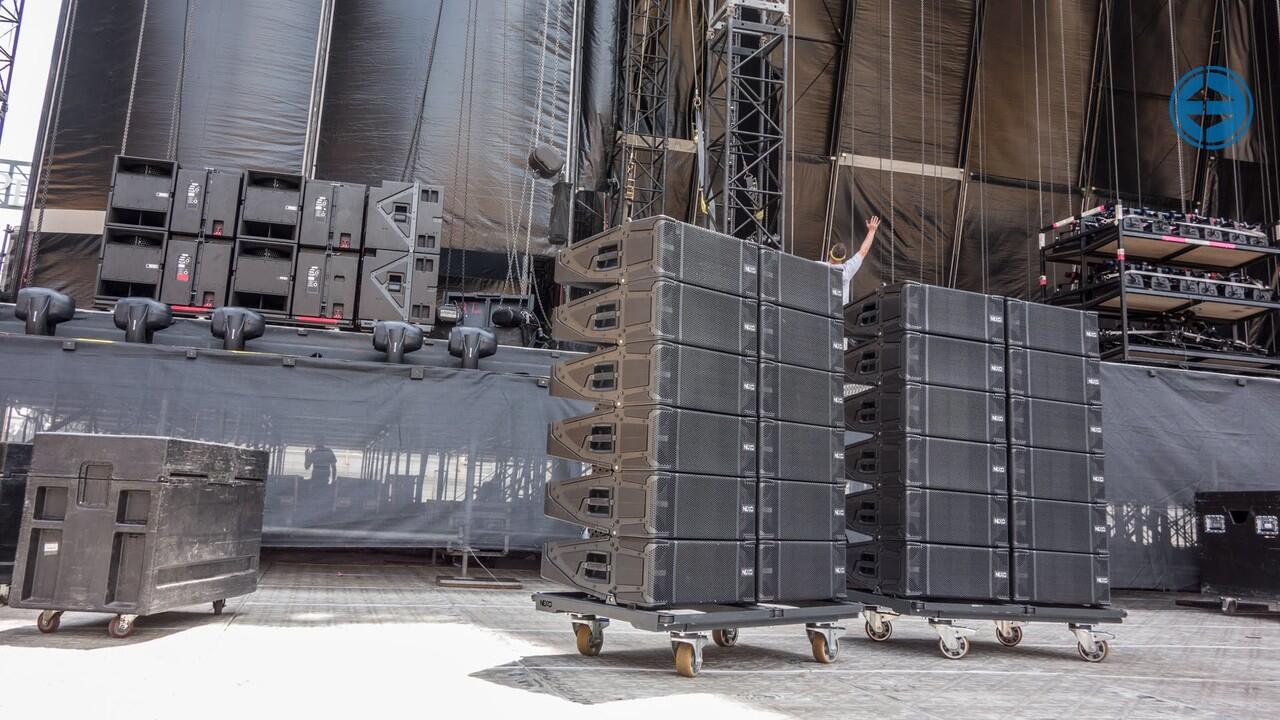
(981, 477)
(311, 251)
(716, 445)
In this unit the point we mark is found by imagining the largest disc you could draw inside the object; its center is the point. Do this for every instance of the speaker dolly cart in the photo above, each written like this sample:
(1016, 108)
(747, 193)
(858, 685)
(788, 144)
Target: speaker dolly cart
(1092, 644)
(690, 626)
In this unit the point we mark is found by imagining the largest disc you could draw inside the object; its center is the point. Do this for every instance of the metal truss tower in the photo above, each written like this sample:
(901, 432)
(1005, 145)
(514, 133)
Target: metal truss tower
(640, 161)
(10, 23)
(743, 138)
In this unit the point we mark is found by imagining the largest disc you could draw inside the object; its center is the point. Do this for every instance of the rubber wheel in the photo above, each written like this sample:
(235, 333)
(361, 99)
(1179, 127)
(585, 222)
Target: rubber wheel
(959, 652)
(1096, 656)
(4, 598)
(687, 662)
(588, 645)
(1012, 639)
(119, 628)
(219, 606)
(48, 622)
(882, 635)
(726, 638)
(822, 652)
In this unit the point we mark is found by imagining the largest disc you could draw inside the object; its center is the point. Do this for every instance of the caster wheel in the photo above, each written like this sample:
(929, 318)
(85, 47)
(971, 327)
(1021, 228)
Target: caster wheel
(587, 644)
(119, 627)
(219, 606)
(1012, 639)
(49, 621)
(823, 652)
(881, 636)
(4, 596)
(688, 664)
(725, 638)
(962, 649)
(1094, 656)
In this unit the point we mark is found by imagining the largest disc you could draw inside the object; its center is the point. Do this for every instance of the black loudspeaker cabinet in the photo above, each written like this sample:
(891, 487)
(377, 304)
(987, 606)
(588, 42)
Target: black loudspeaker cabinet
(803, 395)
(898, 460)
(397, 286)
(788, 510)
(1059, 526)
(661, 310)
(15, 461)
(658, 438)
(928, 410)
(206, 203)
(131, 263)
(810, 453)
(928, 309)
(927, 359)
(930, 516)
(404, 217)
(792, 571)
(1239, 535)
(1055, 425)
(324, 285)
(1054, 329)
(655, 573)
(794, 282)
(1057, 475)
(661, 373)
(1055, 376)
(907, 569)
(799, 338)
(197, 272)
(141, 193)
(657, 505)
(332, 215)
(659, 247)
(262, 277)
(1056, 578)
(269, 205)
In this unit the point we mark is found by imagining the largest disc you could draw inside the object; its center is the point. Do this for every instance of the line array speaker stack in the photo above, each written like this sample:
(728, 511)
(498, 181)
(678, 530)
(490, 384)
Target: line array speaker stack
(929, 507)
(134, 240)
(202, 239)
(1058, 517)
(717, 465)
(330, 240)
(979, 474)
(267, 242)
(400, 266)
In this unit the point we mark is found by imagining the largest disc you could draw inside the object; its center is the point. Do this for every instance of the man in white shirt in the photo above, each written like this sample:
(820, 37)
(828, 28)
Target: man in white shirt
(851, 266)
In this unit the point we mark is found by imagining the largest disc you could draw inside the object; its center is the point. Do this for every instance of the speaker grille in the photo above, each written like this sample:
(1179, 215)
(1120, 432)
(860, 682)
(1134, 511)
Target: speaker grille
(1055, 329)
(1054, 578)
(1056, 475)
(904, 569)
(790, 451)
(658, 438)
(894, 459)
(930, 516)
(803, 571)
(931, 359)
(1059, 526)
(928, 410)
(802, 395)
(790, 510)
(657, 505)
(800, 284)
(1055, 376)
(649, 573)
(927, 309)
(800, 338)
(1055, 425)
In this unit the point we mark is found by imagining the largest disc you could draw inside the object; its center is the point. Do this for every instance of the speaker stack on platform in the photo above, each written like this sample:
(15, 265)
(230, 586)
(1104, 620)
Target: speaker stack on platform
(330, 239)
(136, 235)
(202, 239)
(267, 242)
(708, 485)
(400, 266)
(981, 472)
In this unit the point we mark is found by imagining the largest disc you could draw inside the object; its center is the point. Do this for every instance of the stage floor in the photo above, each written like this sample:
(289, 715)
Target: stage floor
(358, 635)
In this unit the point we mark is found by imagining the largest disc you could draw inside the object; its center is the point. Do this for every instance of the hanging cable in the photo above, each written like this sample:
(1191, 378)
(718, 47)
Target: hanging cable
(1066, 123)
(1048, 97)
(1133, 89)
(893, 206)
(1177, 115)
(1035, 46)
(133, 79)
(175, 117)
(411, 155)
(46, 157)
(921, 177)
(1111, 84)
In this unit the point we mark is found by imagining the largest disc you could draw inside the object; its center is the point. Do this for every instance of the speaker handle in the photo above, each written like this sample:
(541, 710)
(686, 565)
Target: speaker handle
(605, 377)
(869, 314)
(607, 258)
(865, 568)
(868, 413)
(869, 363)
(867, 514)
(600, 319)
(869, 465)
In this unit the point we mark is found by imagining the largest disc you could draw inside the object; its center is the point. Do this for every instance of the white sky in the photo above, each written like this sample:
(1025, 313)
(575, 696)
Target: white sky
(26, 97)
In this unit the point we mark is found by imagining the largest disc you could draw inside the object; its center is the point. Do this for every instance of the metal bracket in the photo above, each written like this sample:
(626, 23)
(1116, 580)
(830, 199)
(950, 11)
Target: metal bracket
(829, 632)
(1005, 627)
(596, 624)
(950, 633)
(1088, 637)
(878, 618)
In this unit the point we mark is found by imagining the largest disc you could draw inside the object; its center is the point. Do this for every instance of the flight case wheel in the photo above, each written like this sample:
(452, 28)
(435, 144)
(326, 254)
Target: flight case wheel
(885, 633)
(1010, 639)
(120, 627)
(49, 621)
(725, 638)
(961, 649)
(688, 660)
(589, 643)
(1097, 655)
(824, 652)
(219, 606)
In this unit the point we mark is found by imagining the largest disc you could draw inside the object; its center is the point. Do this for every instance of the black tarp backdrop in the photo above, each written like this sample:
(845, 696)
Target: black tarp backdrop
(459, 456)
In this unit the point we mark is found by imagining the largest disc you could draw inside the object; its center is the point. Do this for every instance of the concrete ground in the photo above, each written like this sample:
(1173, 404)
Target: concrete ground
(363, 636)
